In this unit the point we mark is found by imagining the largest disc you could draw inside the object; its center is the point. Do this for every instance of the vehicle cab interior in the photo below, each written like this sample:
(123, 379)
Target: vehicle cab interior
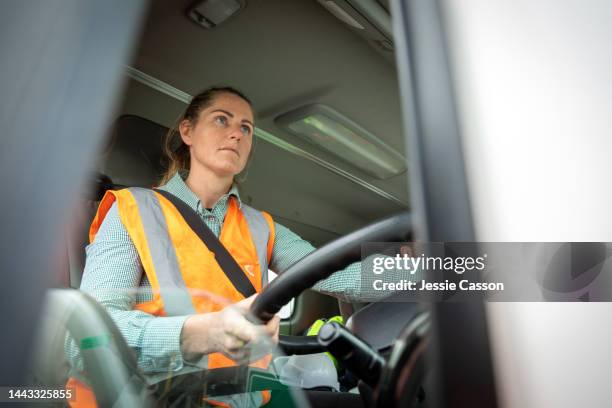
(327, 160)
(367, 128)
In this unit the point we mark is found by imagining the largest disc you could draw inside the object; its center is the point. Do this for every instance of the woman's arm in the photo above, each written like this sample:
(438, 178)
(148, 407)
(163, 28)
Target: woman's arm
(347, 284)
(290, 248)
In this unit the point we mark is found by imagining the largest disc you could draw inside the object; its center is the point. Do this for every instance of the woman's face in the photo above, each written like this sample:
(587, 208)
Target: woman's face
(222, 137)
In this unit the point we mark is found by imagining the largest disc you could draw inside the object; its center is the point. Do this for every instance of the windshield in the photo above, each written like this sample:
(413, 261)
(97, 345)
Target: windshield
(81, 347)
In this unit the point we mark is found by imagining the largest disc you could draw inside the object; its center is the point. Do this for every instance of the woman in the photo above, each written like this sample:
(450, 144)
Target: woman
(213, 144)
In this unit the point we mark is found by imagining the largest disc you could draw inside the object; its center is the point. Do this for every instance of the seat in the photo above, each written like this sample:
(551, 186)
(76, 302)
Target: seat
(78, 230)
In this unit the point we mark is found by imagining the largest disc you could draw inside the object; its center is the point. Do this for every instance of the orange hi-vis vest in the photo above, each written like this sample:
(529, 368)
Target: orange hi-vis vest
(182, 271)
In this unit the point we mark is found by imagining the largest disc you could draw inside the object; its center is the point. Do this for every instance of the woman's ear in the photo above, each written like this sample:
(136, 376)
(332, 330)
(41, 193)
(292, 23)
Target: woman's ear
(185, 131)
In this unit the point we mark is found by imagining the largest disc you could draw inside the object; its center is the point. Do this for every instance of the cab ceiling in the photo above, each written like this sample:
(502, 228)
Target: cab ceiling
(282, 54)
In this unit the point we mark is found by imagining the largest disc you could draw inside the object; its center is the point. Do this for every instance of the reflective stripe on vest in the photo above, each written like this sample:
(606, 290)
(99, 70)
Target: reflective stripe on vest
(172, 287)
(260, 232)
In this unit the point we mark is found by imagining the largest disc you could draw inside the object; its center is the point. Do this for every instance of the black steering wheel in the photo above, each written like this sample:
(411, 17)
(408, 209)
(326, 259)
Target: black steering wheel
(326, 260)
(320, 264)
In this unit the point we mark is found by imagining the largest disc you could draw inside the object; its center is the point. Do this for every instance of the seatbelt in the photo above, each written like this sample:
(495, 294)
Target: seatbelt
(225, 260)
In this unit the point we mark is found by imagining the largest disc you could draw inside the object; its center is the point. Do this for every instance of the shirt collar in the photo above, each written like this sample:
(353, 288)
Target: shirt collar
(176, 185)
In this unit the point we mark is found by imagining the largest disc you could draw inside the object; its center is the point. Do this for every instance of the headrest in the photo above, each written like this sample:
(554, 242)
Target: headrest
(134, 155)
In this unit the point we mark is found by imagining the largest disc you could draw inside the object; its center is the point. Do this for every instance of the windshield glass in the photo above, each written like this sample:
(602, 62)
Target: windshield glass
(81, 347)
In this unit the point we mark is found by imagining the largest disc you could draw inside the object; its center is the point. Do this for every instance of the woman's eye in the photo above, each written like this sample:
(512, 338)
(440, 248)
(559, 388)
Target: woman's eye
(246, 130)
(222, 120)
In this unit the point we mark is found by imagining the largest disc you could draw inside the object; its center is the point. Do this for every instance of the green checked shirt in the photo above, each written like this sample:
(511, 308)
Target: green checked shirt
(113, 270)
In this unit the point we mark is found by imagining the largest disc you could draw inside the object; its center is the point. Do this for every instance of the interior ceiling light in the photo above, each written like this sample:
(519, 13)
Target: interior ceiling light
(211, 13)
(322, 126)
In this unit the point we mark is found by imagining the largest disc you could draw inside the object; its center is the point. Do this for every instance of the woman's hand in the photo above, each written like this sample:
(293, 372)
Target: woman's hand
(227, 331)
(271, 328)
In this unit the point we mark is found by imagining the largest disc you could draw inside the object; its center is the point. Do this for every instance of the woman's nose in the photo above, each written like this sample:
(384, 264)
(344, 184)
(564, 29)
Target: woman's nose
(236, 132)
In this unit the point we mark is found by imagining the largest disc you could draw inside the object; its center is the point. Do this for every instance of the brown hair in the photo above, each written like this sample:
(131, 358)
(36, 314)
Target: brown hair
(176, 152)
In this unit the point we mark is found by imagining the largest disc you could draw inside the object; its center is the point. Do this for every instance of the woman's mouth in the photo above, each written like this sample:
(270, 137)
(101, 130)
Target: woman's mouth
(230, 149)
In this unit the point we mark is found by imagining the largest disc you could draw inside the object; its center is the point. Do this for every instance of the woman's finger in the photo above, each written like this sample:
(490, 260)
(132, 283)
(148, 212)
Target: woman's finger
(234, 344)
(239, 327)
(246, 303)
(271, 328)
